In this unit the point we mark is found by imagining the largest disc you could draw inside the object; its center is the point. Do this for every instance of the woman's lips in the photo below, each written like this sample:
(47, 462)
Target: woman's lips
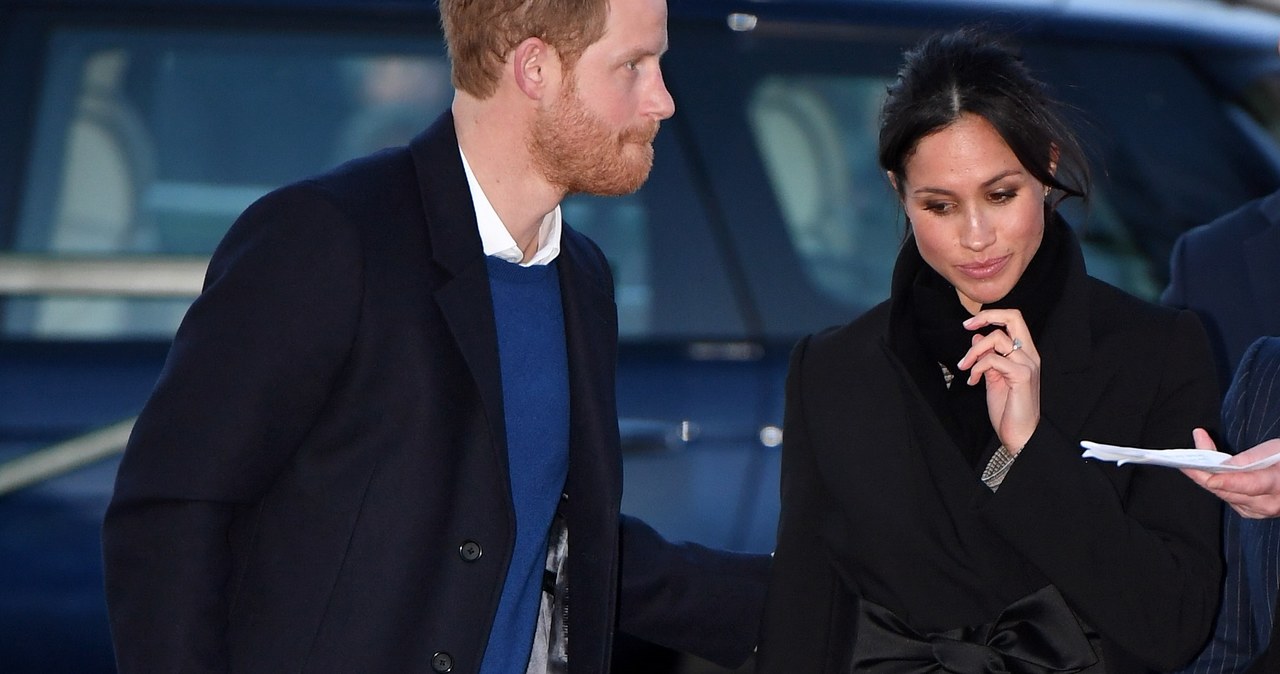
(985, 269)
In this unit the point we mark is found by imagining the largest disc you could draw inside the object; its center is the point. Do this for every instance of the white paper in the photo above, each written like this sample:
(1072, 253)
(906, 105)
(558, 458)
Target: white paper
(1203, 459)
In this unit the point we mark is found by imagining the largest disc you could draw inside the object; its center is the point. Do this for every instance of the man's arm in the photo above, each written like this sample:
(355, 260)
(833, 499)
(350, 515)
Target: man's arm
(1232, 645)
(1251, 420)
(689, 597)
(249, 368)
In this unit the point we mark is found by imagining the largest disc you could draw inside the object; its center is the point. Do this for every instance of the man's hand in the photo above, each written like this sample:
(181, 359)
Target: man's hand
(1254, 494)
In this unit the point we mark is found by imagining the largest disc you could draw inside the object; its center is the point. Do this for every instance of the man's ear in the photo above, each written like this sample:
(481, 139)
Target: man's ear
(534, 64)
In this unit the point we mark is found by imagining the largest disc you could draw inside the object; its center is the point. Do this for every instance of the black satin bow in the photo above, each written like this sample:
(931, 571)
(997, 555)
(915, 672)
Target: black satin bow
(1034, 635)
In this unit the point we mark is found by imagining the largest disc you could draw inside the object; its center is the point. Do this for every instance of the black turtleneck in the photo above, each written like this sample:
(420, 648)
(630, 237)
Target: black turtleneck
(926, 330)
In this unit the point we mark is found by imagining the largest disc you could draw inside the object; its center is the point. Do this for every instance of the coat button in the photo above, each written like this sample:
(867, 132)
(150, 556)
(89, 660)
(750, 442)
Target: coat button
(470, 551)
(442, 662)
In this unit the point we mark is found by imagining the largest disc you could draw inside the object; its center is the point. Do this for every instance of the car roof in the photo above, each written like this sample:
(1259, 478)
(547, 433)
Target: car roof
(1194, 22)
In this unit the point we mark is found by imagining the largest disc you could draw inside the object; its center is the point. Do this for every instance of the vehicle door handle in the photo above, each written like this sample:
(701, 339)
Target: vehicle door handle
(655, 436)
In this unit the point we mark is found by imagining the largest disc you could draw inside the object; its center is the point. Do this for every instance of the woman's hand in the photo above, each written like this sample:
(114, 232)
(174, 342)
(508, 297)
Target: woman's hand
(1009, 362)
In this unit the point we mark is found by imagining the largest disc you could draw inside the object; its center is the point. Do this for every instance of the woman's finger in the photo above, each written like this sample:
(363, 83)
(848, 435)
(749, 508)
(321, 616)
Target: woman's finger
(998, 342)
(1012, 324)
(1014, 367)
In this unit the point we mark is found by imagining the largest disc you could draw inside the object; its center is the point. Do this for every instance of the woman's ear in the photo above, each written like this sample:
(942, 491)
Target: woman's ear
(893, 182)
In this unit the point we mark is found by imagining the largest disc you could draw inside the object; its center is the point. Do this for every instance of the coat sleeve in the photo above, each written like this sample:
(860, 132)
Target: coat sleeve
(1175, 294)
(690, 598)
(1250, 416)
(806, 605)
(1231, 647)
(250, 366)
(1138, 559)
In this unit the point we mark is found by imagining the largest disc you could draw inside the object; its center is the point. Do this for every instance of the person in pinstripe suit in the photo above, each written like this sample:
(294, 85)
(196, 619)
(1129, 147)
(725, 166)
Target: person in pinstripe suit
(1225, 271)
(1245, 636)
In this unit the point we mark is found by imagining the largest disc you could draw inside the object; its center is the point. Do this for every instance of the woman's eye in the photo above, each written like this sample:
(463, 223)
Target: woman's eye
(1001, 197)
(937, 207)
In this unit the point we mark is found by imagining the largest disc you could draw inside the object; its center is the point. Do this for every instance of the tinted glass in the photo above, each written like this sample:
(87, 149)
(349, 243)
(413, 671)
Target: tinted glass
(1262, 100)
(1167, 153)
(765, 196)
(817, 139)
(150, 143)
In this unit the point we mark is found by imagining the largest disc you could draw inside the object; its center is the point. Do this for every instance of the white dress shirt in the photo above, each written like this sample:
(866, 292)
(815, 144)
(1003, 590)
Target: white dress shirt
(495, 236)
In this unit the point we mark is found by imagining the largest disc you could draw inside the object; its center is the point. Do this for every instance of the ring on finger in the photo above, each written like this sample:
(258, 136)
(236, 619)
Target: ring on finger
(1017, 344)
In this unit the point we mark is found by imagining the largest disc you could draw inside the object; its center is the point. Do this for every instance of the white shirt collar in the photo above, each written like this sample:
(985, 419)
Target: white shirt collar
(495, 237)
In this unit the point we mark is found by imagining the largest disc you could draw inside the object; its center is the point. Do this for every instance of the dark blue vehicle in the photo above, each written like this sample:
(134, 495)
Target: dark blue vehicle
(132, 132)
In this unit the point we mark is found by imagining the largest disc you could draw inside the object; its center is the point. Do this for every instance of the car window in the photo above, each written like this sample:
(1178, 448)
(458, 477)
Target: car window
(150, 142)
(1262, 102)
(817, 138)
(1166, 154)
(671, 282)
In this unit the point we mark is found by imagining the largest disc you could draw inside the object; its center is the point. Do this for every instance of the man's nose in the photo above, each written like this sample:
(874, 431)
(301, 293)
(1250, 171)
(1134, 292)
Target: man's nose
(661, 104)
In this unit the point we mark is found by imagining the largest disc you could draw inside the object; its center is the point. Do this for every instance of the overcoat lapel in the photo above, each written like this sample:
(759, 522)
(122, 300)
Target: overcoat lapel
(595, 474)
(461, 275)
(953, 524)
(951, 474)
(1072, 383)
(591, 329)
(942, 508)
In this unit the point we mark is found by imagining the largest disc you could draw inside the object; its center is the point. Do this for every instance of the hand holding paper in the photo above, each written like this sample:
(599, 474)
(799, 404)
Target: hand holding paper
(1249, 482)
(1201, 459)
(1254, 494)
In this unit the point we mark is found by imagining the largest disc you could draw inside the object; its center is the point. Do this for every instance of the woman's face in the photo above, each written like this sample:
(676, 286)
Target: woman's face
(977, 214)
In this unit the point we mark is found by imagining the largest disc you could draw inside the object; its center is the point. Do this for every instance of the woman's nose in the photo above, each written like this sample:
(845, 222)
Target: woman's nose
(978, 233)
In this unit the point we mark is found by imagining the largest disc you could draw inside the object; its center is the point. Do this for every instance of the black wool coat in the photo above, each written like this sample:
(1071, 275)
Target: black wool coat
(319, 481)
(879, 505)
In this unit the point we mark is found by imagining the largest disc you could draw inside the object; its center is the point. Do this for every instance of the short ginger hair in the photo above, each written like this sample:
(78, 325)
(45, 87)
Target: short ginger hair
(480, 34)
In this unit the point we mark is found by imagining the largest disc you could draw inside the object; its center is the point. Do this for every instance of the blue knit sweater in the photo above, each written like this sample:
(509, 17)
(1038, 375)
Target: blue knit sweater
(535, 399)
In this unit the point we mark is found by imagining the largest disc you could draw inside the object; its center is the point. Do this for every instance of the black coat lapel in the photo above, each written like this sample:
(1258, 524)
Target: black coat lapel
(595, 463)
(459, 273)
(1071, 381)
(591, 338)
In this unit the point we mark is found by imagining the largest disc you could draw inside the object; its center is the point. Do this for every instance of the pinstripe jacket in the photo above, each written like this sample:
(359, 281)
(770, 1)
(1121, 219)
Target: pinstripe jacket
(1246, 620)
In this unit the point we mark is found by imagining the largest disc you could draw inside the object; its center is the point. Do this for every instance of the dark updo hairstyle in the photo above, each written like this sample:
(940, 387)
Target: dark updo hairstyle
(968, 71)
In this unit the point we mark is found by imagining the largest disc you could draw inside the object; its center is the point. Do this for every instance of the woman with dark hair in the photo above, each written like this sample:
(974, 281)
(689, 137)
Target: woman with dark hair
(936, 512)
